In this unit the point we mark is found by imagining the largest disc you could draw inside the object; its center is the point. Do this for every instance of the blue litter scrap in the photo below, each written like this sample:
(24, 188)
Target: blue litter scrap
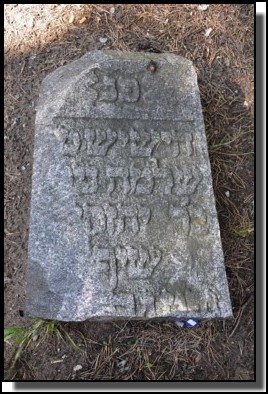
(190, 323)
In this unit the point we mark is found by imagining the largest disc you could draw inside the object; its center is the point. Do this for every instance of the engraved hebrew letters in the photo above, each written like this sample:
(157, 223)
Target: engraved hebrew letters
(118, 167)
(113, 87)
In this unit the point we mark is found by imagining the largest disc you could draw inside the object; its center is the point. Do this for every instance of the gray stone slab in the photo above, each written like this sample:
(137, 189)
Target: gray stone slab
(123, 218)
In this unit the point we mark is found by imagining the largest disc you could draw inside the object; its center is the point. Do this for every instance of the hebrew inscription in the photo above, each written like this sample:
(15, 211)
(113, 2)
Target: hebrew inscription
(116, 170)
(138, 142)
(123, 218)
(111, 87)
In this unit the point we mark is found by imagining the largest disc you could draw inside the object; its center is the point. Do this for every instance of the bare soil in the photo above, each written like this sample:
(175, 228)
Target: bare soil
(40, 38)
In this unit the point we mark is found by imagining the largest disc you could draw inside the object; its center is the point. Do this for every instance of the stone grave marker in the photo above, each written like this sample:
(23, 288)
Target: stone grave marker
(123, 218)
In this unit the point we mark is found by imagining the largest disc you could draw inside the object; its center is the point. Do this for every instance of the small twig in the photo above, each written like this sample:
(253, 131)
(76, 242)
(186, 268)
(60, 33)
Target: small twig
(122, 329)
(214, 146)
(234, 154)
(240, 315)
(7, 233)
(56, 361)
(22, 68)
(9, 240)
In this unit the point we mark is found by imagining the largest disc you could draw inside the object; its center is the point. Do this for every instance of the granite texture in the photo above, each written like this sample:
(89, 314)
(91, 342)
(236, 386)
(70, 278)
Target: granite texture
(123, 218)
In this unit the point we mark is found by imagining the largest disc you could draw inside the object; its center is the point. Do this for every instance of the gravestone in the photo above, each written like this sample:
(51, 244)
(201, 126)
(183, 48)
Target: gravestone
(123, 218)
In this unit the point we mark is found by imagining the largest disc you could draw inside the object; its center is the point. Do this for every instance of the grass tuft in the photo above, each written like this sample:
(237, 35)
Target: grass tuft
(21, 337)
(243, 232)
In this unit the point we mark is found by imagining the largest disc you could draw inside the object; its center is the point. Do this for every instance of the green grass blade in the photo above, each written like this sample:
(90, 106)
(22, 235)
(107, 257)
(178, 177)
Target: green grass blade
(13, 333)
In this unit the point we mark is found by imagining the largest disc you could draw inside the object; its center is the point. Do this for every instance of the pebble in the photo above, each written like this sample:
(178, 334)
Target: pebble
(122, 363)
(227, 193)
(122, 366)
(179, 323)
(77, 368)
(82, 20)
(112, 10)
(203, 7)
(23, 168)
(208, 31)
(71, 19)
(103, 40)
(35, 337)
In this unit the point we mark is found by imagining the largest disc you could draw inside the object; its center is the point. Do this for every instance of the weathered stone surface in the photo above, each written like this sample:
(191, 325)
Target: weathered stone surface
(123, 218)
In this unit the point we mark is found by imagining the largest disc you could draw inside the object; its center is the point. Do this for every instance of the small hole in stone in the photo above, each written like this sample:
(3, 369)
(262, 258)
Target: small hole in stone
(152, 66)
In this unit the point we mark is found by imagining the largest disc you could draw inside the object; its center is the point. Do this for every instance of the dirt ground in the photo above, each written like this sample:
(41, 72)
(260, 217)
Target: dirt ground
(220, 42)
